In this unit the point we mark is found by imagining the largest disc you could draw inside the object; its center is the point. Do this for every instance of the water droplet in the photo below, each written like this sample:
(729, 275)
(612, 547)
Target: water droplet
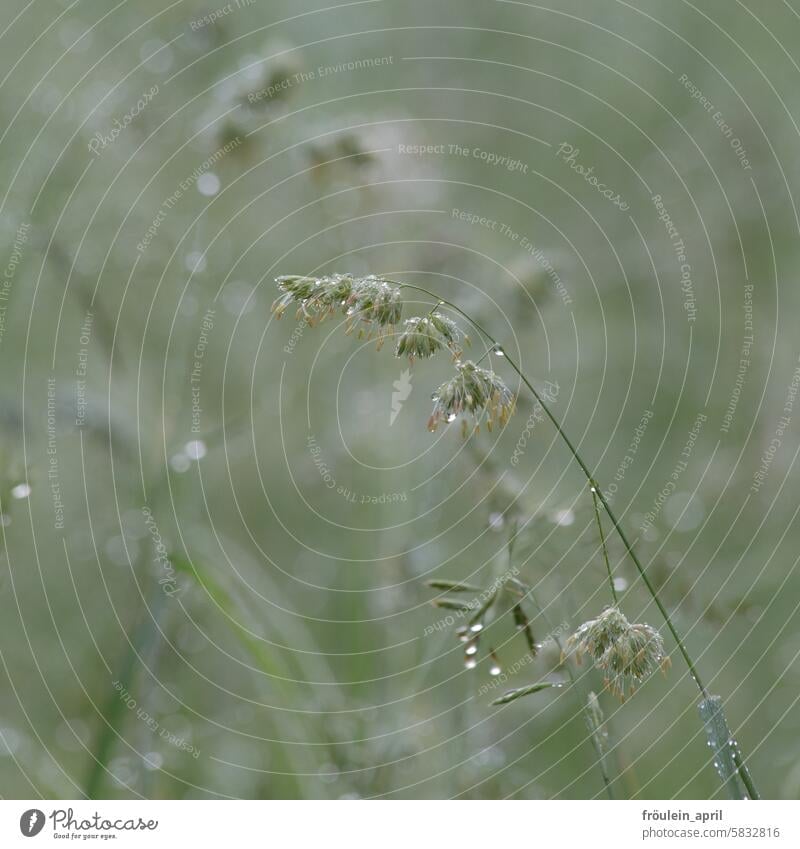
(329, 773)
(21, 490)
(684, 511)
(476, 627)
(471, 649)
(122, 771)
(13, 740)
(495, 670)
(620, 584)
(188, 305)
(451, 417)
(196, 261)
(156, 55)
(196, 449)
(470, 663)
(121, 552)
(208, 184)
(153, 760)
(720, 739)
(498, 351)
(73, 37)
(180, 462)
(238, 297)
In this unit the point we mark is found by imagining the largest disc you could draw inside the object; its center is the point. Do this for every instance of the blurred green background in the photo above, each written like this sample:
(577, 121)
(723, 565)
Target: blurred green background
(160, 169)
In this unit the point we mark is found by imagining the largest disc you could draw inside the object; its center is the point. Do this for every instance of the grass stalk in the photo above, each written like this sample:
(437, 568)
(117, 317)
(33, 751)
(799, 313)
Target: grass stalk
(139, 645)
(742, 770)
(553, 632)
(604, 546)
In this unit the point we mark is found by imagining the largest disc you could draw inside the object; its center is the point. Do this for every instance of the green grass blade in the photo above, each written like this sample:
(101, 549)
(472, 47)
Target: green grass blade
(521, 692)
(725, 750)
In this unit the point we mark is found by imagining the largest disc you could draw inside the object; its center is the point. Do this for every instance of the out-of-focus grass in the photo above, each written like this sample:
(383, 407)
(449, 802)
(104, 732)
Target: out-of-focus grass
(327, 686)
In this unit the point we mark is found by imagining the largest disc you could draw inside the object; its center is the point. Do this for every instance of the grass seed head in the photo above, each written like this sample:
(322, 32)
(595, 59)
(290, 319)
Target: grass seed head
(374, 306)
(473, 391)
(370, 304)
(626, 653)
(316, 297)
(424, 336)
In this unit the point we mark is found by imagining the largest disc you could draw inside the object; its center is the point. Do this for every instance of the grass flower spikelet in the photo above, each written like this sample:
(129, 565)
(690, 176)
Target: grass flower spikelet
(474, 391)
(424, 336)
(627, 653)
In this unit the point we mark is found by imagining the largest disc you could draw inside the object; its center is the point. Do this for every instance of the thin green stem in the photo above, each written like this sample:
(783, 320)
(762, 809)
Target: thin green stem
(618, 528)
(746, 778)
(590, 478)
(600, 755)
(593, 490)
(139, 645)
(744, 774)
(483, 356)
(743, 771)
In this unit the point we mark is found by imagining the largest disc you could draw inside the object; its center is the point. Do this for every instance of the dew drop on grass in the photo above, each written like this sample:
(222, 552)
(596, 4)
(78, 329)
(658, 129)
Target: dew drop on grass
(451, 418)
(153, 761)
(195, 261)
(180, 462)
(495, 670)
(156, 56)
(471, 650)
(476, 627)
(470, 663)
(498, 351)
(329, 773)
(208, 184)
(723, 745)
(563, 518)
(21, 490)
(195, 450)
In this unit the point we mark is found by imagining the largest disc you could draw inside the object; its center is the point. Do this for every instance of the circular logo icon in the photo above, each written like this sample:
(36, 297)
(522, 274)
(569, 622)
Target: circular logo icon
(31, 822)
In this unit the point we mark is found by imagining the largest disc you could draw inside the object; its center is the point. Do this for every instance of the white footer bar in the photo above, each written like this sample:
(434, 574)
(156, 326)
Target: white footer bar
(389, 824)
